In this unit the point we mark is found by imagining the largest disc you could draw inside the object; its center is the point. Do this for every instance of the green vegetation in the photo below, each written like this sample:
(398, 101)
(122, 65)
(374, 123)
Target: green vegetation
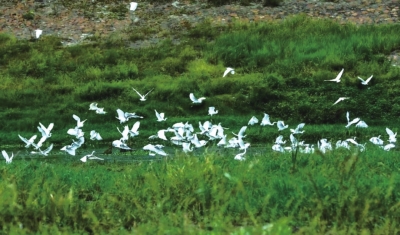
(280, 68)
(340, 193)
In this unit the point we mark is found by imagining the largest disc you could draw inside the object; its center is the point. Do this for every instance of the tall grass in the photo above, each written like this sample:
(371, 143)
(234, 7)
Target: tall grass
(339, 191)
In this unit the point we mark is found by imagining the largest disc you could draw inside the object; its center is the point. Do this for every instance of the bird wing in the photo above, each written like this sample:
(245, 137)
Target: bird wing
(76, 118)
(33, 138)
(24, 139)
(158, 115)
(339, 75)
(121, 114)
(369, 79)
(137, 92)
(337, 101)
(293, 139)
(93, 106)
(48, 149)
(148, 92)
(280, 124)
(5, 155)
(135, 126)
(242, 130)
(389, 132)
(362, 80)
(192, 98)
(227, 71)
(161, 134)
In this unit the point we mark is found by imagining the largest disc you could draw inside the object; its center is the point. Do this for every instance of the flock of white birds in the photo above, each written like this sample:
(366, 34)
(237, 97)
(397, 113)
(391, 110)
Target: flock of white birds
(184, 134)
(188, 139)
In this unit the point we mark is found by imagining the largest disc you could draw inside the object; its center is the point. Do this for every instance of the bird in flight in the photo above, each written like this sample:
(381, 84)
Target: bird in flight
(337, 79)
(196, 100)
(365, 82)
(142, 97)
(341, 99)
(229, 70)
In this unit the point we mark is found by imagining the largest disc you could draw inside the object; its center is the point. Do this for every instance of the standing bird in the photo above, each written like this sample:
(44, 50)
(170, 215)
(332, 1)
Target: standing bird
(38, 32)
(337, 79)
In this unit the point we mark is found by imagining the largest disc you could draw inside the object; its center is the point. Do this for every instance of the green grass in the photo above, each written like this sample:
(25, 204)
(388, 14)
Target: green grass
(280, 68)
(340, 191)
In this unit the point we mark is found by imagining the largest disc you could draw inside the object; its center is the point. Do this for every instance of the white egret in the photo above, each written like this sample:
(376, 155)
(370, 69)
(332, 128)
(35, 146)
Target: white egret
(8, 158)
(341, 99)
(240, 156)
(100, 111)
(77, 132)
(93, 106)
(243, 145)
(389, 147)
(195, 100)
(366, 81)
(376, 140)
(133, 6)
(186, 147)
(324, 145)
(253, 120)
(281, 125)
(160, 116)
(279, 140)
(124, 133)
(155, 149)
(222, 141)
(120, 144)
(349, 123)
(198, 143)
(121, 116)
(265, 121)
(229, 70)
(241, 135)
(175, 4)
(38, 33)
(28, 142)
(278, 148)
(361, 124)
(79, 123)
(392, 135)
(298, 129)
(90, 157)
(45, 131)
(94, 135)
(337, 79)
(44, 152)
(143, 97)
(212, 111)
(70, 149)
(134, 131)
